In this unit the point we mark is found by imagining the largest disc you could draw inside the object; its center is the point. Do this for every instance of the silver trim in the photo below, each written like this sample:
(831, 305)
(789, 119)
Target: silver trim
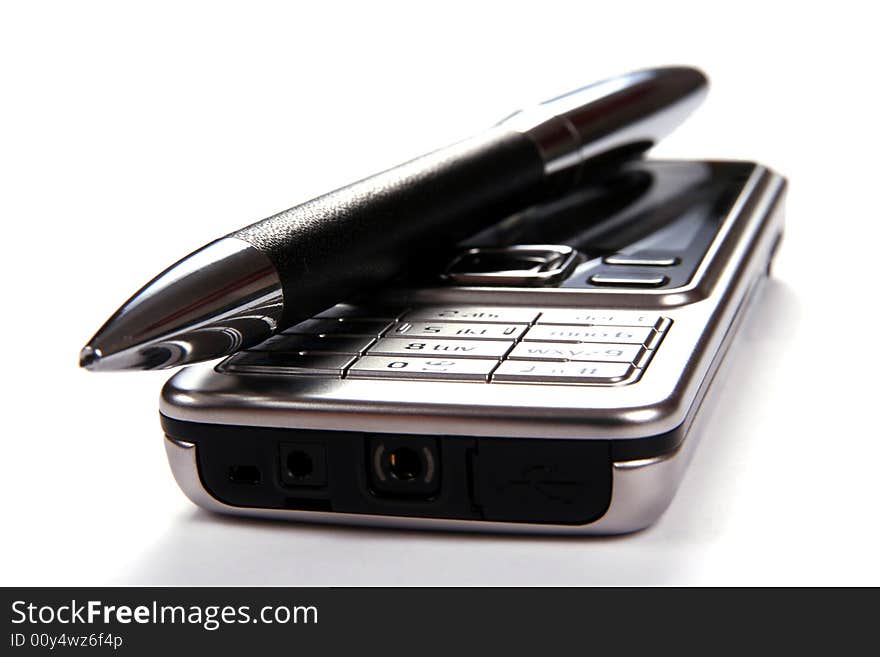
(218, 300)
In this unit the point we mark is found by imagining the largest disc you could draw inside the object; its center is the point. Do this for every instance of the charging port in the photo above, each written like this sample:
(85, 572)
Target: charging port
(559, 481)
(404, 465)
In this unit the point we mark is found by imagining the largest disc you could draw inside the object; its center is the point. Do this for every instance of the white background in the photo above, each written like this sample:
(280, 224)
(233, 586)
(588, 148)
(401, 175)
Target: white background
(132, 133)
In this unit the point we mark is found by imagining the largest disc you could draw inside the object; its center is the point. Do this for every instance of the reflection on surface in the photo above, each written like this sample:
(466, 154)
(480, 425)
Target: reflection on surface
(669, 209)
(620, 209)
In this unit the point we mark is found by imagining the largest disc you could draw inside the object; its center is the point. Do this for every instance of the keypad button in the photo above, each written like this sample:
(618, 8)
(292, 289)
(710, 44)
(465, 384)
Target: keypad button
(339, 327)
(641, 259)
(315, 343)
(561, 351)
(404, 367)
(472, 314)
(628, 280)
(613, 334)
(539, 372)
(598, 317)
(428, 347)
(356, 312)
(273, 362)
(457, 330)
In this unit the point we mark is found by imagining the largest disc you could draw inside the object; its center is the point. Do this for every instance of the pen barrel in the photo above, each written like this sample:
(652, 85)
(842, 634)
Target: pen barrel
(364, 234)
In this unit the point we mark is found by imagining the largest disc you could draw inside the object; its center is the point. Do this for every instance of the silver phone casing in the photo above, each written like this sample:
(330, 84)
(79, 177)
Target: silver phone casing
(678, 388)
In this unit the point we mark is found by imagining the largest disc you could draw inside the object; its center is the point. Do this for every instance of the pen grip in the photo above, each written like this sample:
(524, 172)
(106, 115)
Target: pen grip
(364, 234)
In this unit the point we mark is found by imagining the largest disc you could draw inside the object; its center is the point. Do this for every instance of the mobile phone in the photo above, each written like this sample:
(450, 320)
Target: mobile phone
(550, 375)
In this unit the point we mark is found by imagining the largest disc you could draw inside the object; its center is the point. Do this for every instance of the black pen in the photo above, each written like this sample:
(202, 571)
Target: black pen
(238, 290)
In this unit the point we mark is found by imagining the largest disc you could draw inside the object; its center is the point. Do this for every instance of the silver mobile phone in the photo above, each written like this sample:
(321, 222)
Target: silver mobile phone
(548, 376)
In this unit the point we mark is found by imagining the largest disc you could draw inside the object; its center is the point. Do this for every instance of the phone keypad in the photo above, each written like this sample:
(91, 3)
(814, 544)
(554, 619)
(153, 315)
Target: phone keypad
(355, 312)
(304, 344)
(495, 349)
(537, 372)
(340, 327)
(598, 317)
(555, 351)
(473, 314)
(568, 333)
(487, 344)
(275, 362)
(406, 367)
(459, 330)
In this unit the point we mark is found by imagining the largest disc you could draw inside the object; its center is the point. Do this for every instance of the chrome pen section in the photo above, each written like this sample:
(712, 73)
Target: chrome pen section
(611, 119)
(225, 296)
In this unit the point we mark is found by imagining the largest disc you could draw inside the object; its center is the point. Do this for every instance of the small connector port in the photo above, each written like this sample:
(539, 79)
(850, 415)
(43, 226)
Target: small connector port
(244, 474)
(303, 464)
(404, 466)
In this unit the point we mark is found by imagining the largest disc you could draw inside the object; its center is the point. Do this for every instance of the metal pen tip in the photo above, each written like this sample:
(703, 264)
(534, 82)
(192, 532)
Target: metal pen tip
(89, 356)
(224, 297)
